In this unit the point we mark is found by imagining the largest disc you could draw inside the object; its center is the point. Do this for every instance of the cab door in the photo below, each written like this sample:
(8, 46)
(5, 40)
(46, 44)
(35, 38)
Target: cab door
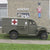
(22, 27)
(32, 27)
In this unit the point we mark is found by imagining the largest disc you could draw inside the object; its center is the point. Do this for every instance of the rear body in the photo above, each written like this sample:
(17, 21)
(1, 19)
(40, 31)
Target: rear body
(23, 26)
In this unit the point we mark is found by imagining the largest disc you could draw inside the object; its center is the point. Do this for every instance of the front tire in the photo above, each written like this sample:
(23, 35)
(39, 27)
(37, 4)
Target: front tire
(13, 35)
(44, 36)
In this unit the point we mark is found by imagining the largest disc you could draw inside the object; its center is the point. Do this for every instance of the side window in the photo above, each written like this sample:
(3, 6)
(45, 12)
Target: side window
(31, 22)
(34, 23)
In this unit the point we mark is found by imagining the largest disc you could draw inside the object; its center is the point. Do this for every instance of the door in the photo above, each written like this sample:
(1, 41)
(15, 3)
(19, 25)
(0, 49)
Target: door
(22, 26)
(32, 27)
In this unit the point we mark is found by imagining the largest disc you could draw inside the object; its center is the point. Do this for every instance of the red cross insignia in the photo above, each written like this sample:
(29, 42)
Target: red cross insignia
(14, 22)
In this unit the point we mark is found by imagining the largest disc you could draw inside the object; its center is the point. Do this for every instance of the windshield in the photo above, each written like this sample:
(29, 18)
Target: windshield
(32, 22)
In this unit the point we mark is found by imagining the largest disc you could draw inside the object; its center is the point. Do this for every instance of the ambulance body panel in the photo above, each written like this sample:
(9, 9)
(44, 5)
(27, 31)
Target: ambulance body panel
(20, 25)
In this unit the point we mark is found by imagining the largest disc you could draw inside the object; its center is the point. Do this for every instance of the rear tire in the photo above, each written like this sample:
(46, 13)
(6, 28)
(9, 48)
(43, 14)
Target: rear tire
(13, 35)
(44, 36)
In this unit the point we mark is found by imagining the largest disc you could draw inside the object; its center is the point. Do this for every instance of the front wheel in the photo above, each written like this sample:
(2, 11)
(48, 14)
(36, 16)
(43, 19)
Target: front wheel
(44, 36)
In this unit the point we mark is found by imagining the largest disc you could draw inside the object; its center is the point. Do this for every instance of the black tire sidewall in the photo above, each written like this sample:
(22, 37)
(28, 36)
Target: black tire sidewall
(41, 36)
(11, 35)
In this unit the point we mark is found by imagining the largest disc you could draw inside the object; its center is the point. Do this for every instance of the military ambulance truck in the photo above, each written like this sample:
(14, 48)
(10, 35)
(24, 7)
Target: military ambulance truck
(22, 26)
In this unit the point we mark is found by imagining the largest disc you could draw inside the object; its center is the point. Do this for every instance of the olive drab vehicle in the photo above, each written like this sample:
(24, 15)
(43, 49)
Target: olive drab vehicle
(22, 26)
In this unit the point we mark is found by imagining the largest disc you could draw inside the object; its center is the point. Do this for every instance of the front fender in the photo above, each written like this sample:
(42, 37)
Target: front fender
(42, 29)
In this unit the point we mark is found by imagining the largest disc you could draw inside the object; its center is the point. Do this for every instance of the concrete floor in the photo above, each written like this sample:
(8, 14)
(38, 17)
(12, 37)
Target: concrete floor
(25, 41)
